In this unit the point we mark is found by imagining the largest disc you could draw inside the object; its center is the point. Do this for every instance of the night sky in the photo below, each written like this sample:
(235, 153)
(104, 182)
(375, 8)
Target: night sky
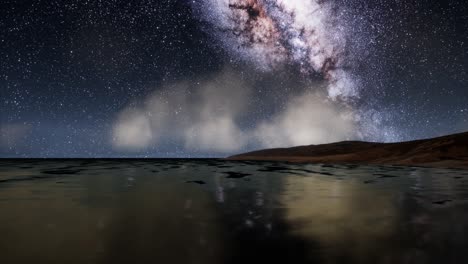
(209, 78)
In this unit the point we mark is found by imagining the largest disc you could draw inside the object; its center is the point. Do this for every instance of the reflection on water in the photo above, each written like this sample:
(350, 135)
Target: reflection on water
(211, 211)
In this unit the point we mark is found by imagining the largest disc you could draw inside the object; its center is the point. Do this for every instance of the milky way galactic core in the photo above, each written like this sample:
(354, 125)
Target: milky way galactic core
(270, 33)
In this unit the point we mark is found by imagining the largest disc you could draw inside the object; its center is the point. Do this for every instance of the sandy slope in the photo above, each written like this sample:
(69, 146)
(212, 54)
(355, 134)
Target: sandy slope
(446, 151)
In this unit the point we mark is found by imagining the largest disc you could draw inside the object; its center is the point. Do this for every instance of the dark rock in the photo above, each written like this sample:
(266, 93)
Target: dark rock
(197, 182)
(236, 175)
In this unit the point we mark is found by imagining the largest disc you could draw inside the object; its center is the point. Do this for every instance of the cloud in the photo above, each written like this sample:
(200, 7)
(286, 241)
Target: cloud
(205, 117)
(307, 119)
(219, 134)
(200, 116)
(132, 131)
(218, 104)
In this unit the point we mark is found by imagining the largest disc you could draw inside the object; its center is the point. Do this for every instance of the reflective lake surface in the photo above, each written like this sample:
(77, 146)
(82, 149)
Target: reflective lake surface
(215, 211)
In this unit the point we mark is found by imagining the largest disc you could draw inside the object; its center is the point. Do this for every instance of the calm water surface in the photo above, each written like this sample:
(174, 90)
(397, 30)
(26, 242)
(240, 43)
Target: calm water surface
(213, 211)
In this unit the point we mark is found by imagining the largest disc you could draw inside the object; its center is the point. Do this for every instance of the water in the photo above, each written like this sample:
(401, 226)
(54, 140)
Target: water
(214, 211)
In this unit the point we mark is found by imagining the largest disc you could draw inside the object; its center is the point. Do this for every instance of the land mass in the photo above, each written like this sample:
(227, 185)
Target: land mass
(448, 151)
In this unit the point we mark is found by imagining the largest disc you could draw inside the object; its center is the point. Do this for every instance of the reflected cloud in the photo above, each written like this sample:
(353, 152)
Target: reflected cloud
(347, 217)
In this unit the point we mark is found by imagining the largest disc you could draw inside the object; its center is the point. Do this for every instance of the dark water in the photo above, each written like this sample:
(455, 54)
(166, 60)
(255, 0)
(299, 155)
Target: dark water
(210, 211)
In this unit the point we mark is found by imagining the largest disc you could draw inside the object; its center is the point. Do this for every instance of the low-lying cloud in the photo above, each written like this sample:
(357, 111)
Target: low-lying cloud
(206, 117)
(132, 130)
(307, 119)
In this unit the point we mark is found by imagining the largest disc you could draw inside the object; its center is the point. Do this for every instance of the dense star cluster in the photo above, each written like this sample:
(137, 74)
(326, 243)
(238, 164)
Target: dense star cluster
(143, 78)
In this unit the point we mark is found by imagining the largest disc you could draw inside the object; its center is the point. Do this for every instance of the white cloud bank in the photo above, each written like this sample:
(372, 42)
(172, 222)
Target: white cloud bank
(205, 117)
(132, 130)
(307, 119)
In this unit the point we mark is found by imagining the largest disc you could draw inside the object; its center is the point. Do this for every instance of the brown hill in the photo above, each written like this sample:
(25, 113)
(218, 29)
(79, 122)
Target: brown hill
(446, 151)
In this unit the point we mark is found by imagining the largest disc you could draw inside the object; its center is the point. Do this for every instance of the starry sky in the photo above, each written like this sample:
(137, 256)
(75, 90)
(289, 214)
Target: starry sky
(209, 78)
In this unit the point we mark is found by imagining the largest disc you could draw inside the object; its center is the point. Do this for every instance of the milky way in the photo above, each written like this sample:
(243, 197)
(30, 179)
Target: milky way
(272, 33)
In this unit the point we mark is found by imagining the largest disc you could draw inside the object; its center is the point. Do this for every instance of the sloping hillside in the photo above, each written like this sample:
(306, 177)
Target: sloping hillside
(446, 151)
